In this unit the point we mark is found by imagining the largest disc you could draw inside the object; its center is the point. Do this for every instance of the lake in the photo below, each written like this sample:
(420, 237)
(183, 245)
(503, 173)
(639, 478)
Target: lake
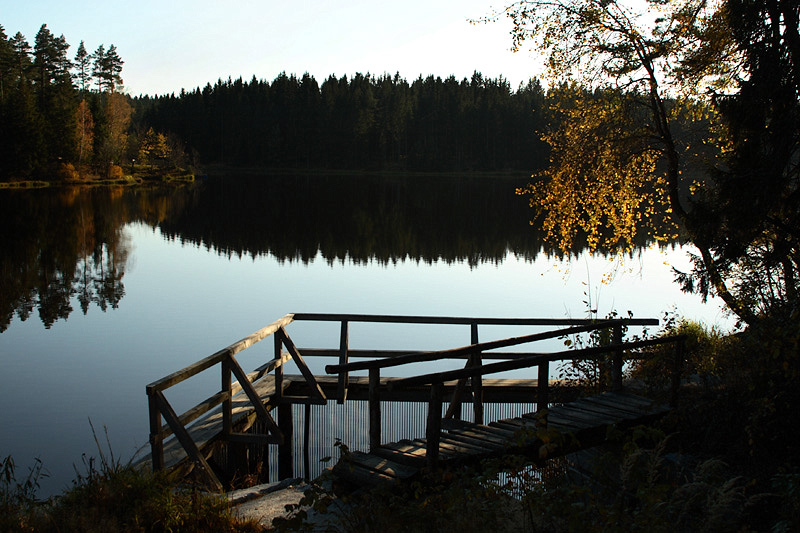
(104, 290)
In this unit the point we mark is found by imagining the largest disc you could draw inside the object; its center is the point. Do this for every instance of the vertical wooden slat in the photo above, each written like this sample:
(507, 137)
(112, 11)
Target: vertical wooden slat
(616, 360)
(344, 377)
(543, 385)
(374, 408)
(285, 450)
(477, 381)
(279, 370)
(434, 428)
(156, 439)
(227, 404)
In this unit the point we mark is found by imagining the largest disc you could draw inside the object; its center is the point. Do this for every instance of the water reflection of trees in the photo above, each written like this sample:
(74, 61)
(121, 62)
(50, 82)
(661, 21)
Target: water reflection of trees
(362, 219)
(67, 246)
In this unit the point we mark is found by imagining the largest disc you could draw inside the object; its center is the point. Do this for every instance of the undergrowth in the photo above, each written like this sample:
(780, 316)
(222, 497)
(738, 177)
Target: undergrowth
(109, 495)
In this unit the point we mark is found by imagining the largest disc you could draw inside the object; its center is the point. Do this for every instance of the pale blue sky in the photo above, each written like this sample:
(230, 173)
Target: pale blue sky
(172, 44)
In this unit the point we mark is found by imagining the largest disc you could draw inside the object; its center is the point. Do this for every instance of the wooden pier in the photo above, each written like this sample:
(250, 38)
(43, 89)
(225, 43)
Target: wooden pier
(188, 442)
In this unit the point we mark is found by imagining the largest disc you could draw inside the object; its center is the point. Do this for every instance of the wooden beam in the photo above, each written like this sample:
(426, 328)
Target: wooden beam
(374, 408)
(434, 427)
(211, 360)
(186, 441)
(463, 351)
(316, 391)
(344, 377)
(503, 366)
(415, 319)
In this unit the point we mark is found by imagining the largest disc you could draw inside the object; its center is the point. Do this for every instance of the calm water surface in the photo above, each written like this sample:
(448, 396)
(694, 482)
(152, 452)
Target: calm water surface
(119, 288)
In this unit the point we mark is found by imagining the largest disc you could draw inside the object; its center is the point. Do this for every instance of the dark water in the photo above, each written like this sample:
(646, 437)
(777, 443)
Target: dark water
(104, 290)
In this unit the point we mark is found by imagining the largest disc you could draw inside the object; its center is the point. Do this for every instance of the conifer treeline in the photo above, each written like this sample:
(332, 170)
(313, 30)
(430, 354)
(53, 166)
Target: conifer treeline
(60, 115)
(361, 122)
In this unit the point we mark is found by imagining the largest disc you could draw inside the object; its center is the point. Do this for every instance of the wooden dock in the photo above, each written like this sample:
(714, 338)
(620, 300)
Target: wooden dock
(187, 442)
(569, 427)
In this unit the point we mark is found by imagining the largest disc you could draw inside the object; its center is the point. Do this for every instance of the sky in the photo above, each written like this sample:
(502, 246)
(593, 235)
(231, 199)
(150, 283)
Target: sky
(169, 45)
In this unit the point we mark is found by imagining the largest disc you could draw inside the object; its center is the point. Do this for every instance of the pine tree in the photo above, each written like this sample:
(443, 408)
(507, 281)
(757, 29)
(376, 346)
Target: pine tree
(83, 63)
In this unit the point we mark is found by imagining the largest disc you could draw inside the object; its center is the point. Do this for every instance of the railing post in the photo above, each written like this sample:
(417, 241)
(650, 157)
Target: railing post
(616, 360)
(680, 347)
(477, 381)
(227, 404)
(543, 386)
(286, 448)
(434, 428)
(279, 370)
(156, 440)
(374, 408)
(344, 378)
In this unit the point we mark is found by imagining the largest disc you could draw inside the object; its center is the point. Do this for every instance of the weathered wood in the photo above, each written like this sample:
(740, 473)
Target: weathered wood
(463, 351)
(186, 441)
(344, 377)
(211, 360)
(379, 464)
(374, 408)
(156, 434)
(454, 409)
(476, 360)
(316, 391)
(227, 404)
(503, 366)
(543, 396)
(258, 406)
(412, 319)
(434, 426)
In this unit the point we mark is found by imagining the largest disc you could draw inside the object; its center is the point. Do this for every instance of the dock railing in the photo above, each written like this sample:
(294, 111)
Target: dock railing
(176, 424)
(475, 369)
(164, 421)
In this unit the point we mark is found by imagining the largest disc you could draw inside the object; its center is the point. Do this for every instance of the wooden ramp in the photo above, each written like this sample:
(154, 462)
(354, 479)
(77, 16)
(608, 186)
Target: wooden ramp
(548, 433)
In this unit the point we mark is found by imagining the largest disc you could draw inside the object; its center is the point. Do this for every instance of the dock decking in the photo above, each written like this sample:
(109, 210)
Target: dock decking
(570, 427)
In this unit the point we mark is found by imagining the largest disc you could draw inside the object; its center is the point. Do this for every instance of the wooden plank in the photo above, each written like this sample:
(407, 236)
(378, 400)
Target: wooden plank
(418, 319)
(316, 391)
(206, 430)
(477, 441)
(533, 360)
(463, 351)
(433, 428)
(577, 414)
(616, 404)
(380, 464)
(361, 476)
(475, 433)
(405, 453)
(605, 410)
(374, 404)
(344, 377)
(255, 400)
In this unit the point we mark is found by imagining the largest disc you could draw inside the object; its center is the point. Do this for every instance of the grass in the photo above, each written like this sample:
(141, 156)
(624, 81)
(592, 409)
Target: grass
(111, 496)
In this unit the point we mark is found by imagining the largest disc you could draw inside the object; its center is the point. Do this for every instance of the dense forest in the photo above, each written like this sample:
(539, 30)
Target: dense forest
(362, 122)
(67, 117)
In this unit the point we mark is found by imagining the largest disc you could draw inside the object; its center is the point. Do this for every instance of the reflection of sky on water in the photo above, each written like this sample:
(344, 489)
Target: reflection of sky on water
(184, 302)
